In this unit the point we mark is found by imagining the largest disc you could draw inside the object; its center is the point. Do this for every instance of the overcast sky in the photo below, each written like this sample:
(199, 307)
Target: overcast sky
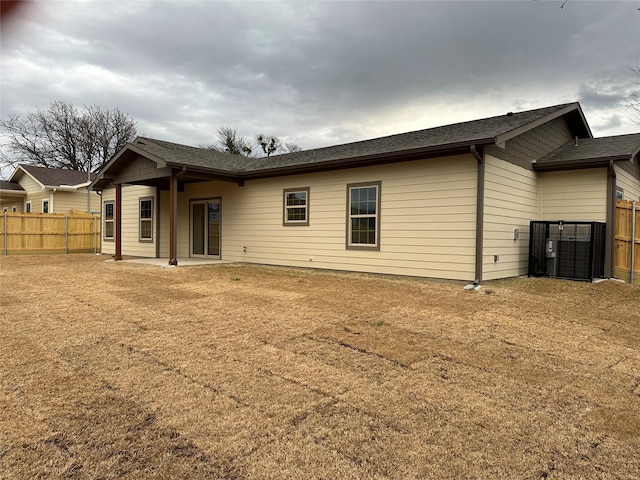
(321, 73)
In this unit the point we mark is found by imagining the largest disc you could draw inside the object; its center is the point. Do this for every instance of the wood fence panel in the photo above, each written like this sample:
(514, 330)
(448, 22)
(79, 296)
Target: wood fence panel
(49, 233)
(625, 224)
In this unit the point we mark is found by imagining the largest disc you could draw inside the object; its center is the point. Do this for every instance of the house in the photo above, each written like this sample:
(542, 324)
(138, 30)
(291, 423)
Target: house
(47, 190)
(451, 202)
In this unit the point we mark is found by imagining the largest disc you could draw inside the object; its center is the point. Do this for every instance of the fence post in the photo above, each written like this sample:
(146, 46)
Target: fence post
(5, 233)
(95, 244)
(66, 233)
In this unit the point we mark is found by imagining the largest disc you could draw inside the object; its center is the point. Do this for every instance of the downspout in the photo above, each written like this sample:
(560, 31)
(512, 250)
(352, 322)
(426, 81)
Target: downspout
(610, 220)
(479, 213)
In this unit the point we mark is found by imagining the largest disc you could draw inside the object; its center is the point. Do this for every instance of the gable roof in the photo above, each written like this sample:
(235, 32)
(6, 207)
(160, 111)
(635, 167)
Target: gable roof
(446, 140)
(591, 152)
(52, 177)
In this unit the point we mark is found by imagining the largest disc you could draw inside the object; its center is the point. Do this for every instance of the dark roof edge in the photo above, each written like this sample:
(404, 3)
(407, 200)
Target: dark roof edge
(367, 160)
(579, 164)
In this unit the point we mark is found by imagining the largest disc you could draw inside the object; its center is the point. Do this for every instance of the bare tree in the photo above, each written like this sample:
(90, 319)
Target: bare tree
(269, 144)
(290, 148)
(633, 98)
(64, 136)
(230, 142)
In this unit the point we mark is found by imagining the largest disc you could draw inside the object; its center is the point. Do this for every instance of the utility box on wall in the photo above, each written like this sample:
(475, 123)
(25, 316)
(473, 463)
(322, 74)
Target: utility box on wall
(564, 249)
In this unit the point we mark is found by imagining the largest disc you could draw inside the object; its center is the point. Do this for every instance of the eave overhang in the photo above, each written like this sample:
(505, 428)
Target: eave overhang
(598, 162)
(460, 148)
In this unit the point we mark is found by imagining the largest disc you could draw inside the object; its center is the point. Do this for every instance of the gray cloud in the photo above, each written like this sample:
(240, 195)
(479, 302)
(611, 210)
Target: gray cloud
(320, 73)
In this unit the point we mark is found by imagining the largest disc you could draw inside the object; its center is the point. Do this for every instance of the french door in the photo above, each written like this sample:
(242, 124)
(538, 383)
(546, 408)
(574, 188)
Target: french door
(205, 228)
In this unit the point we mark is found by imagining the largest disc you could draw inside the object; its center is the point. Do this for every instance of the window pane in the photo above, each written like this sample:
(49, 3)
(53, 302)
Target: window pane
(296, 198)
(145, 208)
(108, 229)
(108, 211)
(145, 229)
(299, 214)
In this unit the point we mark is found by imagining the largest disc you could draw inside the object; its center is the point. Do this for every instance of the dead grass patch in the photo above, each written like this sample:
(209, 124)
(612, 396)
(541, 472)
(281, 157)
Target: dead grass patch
(111, 370)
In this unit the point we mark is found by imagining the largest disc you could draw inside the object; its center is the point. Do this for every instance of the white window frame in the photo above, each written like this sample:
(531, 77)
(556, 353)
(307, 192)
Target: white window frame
(287, 207)
(14, 209)
(145, 220)
(619, 193)
(46, 202)
(27, 206)
(109, 220)
(350, 245)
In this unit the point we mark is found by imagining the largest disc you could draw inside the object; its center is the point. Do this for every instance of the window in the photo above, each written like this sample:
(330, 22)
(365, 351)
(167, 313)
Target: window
(14, 209)
(146, 219)
(45, 206)
(619, 193)
(27, 207)
(296, 206)
(363, 215)
(109, 211)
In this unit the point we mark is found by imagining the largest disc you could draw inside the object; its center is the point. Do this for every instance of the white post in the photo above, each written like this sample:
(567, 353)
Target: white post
(5, 233)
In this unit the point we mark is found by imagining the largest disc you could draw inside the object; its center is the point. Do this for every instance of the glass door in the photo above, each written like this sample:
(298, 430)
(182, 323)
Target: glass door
(205, 228)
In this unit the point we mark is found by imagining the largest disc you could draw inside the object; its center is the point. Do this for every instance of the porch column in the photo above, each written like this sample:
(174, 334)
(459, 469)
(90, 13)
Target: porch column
(118, 221)
(173, 217)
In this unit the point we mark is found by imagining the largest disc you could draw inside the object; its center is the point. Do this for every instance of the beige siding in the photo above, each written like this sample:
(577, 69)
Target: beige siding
(35, 193)
(579, 195)
(131, 244)
(511, 202)
(36, 199)
(65, 201)
(427, 220)
(629, 184)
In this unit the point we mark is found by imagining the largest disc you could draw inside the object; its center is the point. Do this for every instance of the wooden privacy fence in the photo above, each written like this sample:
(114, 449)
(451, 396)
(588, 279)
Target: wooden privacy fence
(627, 241)
(75, 232)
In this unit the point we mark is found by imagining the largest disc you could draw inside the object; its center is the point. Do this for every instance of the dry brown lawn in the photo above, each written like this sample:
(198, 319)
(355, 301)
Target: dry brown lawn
(115, 370)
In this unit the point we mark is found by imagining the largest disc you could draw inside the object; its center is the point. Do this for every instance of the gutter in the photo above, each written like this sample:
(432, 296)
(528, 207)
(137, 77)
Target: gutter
(366, 160)
(577, 164)
(479, 212)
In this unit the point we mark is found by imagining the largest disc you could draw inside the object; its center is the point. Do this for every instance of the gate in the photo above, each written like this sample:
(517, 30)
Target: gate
(627, 241)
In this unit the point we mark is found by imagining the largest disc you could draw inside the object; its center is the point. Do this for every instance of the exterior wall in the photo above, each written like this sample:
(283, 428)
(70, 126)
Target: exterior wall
(65, 201)
(579, 195)
(510, 202)
(59, 201)
(131, 244)
(629, 183)
(10, 201)
(427, 220)
(534, 144)
(35, 194)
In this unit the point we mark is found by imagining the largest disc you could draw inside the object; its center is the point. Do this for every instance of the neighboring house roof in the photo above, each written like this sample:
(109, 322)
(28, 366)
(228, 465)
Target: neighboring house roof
(445, 140)
(52, 177)
(12, 186)
(591, 152)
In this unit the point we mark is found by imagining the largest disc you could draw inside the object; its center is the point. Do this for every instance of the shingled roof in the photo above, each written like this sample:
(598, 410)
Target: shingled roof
(446, 140)
(5, 185)
(591, 152)
(54, 177)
